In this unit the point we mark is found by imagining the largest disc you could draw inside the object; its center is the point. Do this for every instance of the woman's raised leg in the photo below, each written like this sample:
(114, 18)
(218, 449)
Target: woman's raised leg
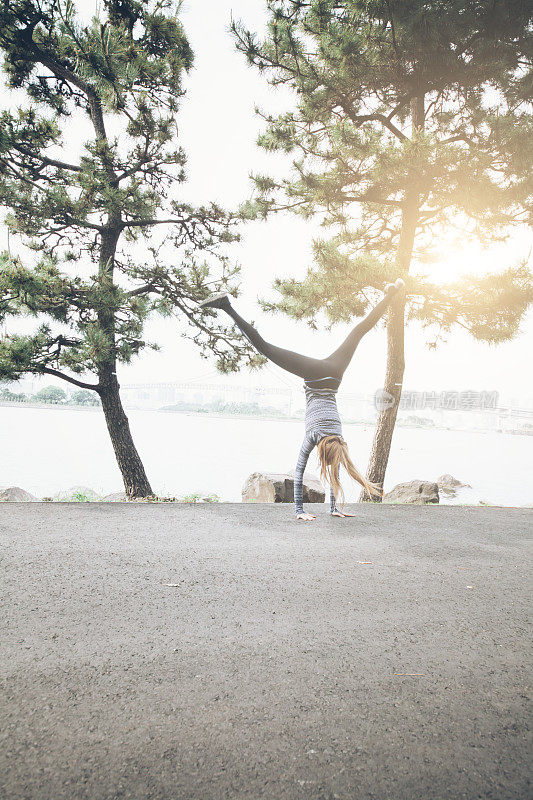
(311, 369)
(341, 357)
(297, 364)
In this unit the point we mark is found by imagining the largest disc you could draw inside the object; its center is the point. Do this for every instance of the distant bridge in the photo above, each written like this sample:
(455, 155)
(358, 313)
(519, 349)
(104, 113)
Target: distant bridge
(205, 387)
(411, 401)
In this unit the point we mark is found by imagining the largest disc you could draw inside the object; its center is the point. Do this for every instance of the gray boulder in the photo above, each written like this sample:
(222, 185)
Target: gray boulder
(116, 497)
(449, 485)
(14, 494)
(273, 487)
(420, 492)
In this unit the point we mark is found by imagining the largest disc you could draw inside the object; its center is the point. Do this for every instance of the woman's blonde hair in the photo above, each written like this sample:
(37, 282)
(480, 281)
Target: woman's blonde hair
(332, 454)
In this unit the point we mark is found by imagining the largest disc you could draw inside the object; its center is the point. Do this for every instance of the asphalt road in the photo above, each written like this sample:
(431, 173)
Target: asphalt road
(381, 657)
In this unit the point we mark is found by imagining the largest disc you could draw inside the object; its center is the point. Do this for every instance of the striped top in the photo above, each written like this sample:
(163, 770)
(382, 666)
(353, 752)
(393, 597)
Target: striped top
(321, 419)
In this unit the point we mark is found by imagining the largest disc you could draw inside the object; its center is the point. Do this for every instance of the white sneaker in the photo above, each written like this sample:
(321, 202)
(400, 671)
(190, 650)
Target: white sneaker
(215, 300)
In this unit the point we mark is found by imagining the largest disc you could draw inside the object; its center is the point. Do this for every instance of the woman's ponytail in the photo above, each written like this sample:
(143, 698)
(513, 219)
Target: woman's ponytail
(332, 454)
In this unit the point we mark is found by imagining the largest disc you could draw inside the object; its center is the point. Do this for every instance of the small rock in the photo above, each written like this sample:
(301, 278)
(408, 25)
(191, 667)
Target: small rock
(449, 485)
(77, 494)
(273, 487)
(14, 494)
(420, 492)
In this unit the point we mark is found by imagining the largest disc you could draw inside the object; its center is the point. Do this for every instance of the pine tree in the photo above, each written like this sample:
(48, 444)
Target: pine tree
(104, 226)
(410, 119)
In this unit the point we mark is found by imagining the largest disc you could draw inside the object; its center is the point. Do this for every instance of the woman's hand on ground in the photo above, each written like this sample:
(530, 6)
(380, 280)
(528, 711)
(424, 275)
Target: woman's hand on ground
(305, 516)
(341, 514)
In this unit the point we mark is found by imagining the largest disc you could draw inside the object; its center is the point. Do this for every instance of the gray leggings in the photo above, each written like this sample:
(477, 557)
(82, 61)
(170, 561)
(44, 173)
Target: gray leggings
(327, 372)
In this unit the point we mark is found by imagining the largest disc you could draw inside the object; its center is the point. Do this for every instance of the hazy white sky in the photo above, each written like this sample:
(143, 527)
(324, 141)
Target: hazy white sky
(218, 128)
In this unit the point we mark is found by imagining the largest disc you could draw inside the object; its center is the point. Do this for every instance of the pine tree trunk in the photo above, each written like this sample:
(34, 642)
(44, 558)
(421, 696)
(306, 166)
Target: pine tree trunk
(133, 474)
(381, 445)
(136, 483)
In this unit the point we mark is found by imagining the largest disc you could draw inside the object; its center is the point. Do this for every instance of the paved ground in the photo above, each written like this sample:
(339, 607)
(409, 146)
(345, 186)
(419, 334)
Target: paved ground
(280, 665)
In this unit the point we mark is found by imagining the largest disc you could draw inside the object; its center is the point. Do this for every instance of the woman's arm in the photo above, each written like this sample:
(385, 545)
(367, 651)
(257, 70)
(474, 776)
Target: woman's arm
(301, 464)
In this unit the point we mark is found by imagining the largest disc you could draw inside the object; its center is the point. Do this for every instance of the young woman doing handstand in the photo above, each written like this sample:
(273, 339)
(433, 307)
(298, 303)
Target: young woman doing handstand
(322, 378)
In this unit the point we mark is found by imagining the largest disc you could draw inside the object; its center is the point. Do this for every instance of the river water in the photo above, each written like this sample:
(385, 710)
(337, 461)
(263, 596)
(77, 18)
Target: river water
(47, 450)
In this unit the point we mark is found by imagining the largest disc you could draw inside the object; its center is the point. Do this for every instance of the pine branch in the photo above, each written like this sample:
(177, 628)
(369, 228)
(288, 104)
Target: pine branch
(57, 374)
(138, 223)
(359, 119)
(459, 137)
(45, 160)
(367, 199)
(95, 106)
